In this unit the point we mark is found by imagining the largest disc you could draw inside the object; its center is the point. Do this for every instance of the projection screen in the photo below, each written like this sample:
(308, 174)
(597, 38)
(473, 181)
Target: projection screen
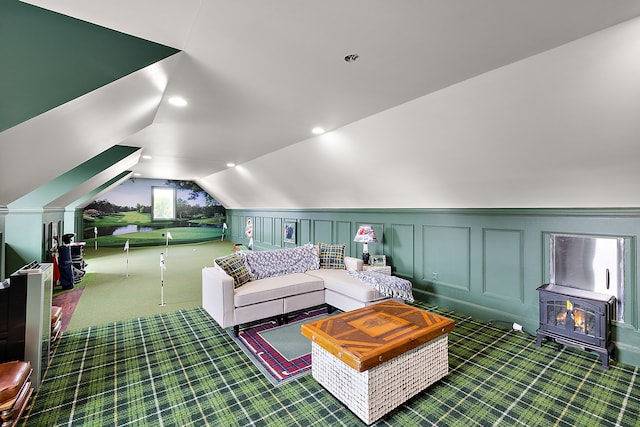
(163, 203)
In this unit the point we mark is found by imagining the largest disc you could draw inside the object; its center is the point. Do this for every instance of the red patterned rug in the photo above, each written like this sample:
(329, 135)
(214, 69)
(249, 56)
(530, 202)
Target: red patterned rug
(281, 353)
(67, 300)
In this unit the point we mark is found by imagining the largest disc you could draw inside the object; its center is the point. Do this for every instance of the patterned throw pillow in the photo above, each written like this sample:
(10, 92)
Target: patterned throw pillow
(332, 256)
(236, 267)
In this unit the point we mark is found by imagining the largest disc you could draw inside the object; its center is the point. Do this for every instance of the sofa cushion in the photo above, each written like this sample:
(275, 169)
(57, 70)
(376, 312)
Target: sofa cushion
(236, 267)
(279, 262)
(341, 282)
(331, 256)
(261, 290)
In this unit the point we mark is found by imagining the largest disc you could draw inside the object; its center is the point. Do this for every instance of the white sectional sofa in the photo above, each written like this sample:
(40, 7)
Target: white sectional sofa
(249, 286)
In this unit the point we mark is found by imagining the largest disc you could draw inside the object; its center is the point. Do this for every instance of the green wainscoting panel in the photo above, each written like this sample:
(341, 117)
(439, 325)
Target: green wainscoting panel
(402, 243)
(322, 231)
(378, 248)
(489, 262)
(268, 230)
(257, 229)
(305, 232)
(236, 226)
(278, 230)
(233, 227)
(446, 256)
(344, 234)
(504, 264)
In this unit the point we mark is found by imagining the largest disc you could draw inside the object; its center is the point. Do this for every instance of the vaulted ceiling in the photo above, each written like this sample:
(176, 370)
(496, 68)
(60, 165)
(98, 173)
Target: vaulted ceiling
(450, 103)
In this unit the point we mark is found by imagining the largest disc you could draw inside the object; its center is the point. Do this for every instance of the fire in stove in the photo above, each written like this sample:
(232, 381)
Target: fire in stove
(579, 321)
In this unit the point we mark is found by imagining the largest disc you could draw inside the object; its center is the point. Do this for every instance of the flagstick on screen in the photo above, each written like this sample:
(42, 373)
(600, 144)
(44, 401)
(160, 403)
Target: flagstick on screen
(163, 267)
(126, 248)
(169, 237)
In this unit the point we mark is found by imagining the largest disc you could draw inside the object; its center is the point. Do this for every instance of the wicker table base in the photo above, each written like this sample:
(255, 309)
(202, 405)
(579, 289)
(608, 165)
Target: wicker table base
(372, 394)
(375, 358)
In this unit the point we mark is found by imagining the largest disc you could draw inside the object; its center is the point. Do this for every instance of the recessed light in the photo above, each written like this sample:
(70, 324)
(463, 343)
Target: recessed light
(137, 174)
(178, 101)
(147, 157)
(318, 130)
(230, 165)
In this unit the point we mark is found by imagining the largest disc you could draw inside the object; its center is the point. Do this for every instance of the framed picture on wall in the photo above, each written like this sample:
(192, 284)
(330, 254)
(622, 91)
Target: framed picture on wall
(289, 232)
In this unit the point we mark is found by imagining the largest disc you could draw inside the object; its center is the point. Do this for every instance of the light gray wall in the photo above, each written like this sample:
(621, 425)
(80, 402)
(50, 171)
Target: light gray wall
(558, 129)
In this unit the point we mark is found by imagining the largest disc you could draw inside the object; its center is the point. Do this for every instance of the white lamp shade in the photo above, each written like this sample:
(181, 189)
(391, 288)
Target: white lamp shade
(365, 234)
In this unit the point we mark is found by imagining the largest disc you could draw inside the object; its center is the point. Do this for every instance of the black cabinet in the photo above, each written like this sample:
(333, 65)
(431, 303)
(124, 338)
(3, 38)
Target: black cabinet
(25, 324)
(13, 309)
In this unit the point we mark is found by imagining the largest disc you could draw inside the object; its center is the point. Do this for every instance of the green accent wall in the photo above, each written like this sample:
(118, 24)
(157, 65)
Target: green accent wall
(49, 59)
(89, 197)
(29, 236)
(483, 262)
(28, 225)
(64, 183)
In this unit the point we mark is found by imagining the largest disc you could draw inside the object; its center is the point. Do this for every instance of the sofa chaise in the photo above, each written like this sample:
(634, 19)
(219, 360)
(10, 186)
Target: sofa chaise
(252, 285)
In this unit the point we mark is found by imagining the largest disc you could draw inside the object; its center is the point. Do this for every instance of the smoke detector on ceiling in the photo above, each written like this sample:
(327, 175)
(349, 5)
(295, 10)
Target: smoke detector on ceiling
(352, 57)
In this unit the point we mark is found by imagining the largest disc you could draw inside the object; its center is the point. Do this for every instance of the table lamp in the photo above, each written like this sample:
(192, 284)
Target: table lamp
(365, 235)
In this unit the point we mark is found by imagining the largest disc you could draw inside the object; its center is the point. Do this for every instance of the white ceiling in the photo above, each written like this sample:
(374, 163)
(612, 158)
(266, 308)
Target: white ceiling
(259, 75)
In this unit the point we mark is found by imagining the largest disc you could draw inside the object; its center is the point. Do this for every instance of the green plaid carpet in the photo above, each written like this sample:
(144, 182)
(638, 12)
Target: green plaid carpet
(181, 369)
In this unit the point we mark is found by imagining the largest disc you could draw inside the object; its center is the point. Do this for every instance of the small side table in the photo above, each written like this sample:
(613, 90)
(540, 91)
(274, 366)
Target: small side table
(380, 269)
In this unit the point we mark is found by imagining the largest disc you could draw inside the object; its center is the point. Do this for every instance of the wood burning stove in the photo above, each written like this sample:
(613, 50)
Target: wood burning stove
(577, 318)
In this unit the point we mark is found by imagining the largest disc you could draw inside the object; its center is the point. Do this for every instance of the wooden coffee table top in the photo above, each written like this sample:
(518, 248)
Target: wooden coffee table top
(369, 336)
